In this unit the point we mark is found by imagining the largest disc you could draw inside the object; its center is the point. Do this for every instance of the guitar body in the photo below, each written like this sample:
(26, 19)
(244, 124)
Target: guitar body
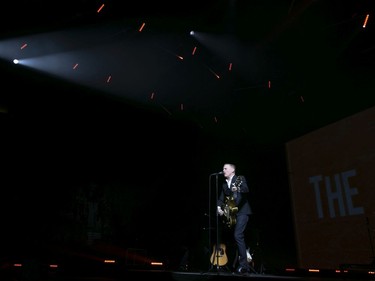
(230, 212)
(230, 207)
(219, 255)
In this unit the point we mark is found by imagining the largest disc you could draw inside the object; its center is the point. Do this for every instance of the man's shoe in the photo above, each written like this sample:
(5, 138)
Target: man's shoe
(242, 270)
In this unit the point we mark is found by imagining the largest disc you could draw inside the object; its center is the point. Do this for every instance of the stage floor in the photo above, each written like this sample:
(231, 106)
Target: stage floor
(165, 275)
(111, 272)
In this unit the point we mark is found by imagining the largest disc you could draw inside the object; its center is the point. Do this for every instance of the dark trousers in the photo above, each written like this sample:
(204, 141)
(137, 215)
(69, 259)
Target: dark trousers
(239, 238)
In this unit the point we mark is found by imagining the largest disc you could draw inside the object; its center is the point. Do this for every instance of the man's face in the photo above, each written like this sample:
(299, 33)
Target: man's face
(227, 170)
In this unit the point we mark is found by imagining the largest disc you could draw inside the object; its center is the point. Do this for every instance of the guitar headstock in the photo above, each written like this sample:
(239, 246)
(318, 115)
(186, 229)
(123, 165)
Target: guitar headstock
(238, 182)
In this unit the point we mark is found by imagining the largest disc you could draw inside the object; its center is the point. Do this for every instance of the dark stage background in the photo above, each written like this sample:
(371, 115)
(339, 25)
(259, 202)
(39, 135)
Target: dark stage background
(79, 166)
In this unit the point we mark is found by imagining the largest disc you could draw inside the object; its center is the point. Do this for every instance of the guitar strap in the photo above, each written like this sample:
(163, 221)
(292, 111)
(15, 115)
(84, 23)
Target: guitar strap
(230, 186)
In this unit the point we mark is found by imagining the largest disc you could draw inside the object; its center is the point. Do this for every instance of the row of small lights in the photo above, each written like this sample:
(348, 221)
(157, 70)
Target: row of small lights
(106, 261)
(336, 271)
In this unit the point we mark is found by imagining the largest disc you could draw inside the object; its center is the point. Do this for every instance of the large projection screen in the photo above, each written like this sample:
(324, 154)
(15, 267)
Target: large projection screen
(332, 184)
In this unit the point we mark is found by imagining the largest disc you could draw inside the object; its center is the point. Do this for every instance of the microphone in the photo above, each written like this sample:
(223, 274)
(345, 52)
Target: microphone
(219, 173)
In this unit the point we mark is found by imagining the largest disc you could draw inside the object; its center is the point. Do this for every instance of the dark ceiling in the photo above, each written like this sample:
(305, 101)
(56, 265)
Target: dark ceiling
(295, 65)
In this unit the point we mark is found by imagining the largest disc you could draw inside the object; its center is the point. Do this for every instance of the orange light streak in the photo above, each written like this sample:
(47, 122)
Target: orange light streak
(290, 269)
(23, 46)
(142, 26)
(101, 7)
(313, 270)
(365, 22)
(194, 50)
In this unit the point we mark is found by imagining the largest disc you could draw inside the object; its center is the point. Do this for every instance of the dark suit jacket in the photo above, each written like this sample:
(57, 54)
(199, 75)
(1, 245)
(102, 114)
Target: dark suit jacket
(242, 200)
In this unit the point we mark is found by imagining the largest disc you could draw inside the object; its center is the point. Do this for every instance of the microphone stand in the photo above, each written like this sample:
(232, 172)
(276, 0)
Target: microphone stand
(217, 219)
(209, 217)
(371, 240)
(217, 224)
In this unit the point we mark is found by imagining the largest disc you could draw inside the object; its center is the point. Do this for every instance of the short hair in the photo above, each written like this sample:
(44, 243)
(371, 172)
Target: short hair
(232, 165)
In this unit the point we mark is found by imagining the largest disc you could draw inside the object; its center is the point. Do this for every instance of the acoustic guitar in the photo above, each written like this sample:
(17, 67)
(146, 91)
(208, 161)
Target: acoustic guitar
(219, 255)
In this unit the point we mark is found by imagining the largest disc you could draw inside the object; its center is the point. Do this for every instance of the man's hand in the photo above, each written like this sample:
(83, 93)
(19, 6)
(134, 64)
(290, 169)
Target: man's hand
(220, 211)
